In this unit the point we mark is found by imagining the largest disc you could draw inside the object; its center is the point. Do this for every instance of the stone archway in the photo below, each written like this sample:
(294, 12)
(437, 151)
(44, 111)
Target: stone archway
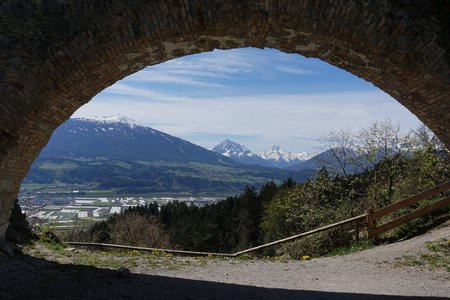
(56, 55)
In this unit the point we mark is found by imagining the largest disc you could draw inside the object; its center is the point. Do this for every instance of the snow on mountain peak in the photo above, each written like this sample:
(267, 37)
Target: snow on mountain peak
(302, 156)
(229, 148)
(112, 120)
(276, 153)
(276, 148)
(274, 156)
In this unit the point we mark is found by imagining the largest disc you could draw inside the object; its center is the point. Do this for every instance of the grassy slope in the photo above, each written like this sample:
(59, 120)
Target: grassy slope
(143, 177)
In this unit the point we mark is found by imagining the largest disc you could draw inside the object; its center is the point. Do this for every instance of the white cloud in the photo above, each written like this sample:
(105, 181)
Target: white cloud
(132, 93)
(209, 70)
(183, 77)
(294, 70)
(271, 119)
(259, 97)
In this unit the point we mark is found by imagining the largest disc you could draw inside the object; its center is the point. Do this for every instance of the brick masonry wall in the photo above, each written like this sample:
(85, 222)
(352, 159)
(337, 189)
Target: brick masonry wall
(56, 55)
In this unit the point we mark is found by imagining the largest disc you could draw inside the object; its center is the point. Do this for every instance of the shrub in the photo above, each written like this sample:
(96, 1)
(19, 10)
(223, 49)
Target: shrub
(136, 230)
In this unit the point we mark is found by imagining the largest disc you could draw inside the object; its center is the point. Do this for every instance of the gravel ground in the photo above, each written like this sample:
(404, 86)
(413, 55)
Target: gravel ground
(371, 271)
(370, 274)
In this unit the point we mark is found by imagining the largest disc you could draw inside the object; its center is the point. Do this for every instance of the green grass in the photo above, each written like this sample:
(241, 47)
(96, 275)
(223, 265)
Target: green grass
(43, 186)
(99, 193)
(191, 178)
(354, 247)
(437, 258)
(111, 258)
(209, 167)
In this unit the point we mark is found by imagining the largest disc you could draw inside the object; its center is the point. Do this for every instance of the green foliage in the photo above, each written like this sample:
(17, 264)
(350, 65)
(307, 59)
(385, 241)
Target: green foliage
(319, 244)
(227, 226)
(137, 230)
(353, 247)
(230, 225)
(327, 199)
(275, 212)
(48, 238)
(311, 204)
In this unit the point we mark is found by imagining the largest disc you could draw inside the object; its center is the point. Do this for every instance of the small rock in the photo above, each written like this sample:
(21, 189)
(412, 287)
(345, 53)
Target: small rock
(70, 249)
(123, 272)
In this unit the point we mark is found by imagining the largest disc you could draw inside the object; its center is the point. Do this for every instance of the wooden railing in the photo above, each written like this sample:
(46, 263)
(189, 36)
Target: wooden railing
(173, 251)
(374, 230)
(368, 218)
(355, 220)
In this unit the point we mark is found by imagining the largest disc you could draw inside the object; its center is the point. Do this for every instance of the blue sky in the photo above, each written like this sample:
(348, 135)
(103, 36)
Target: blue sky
(252, 96)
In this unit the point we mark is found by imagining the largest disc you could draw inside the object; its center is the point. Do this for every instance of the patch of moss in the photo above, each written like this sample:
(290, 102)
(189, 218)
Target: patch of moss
(437, 259)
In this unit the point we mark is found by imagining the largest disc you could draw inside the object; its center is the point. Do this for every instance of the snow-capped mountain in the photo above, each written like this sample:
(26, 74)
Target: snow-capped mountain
(118, 153)
(239, 153)
(281, 158)
(111, 120)
(232, 149)
(123, 138)
(274, 156)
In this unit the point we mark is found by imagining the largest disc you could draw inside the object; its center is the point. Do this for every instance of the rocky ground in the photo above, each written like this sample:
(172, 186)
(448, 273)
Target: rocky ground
(413, 269)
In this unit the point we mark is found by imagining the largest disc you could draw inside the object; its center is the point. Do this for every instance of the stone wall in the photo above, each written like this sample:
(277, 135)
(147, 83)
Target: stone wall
(55, 55)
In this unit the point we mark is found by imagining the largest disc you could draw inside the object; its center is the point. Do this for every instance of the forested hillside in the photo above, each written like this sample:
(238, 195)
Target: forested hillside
(119, 156)
(274, 212)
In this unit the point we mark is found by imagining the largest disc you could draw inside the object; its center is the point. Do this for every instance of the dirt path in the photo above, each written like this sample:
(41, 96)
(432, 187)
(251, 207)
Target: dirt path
(382, 272)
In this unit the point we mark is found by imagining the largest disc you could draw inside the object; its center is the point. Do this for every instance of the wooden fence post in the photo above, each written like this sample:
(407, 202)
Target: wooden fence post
(357, 230)
(370, 222)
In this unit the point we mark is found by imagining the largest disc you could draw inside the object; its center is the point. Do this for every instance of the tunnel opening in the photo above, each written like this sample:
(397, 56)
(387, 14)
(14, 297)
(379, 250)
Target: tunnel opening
(67, 156)
(62, 70)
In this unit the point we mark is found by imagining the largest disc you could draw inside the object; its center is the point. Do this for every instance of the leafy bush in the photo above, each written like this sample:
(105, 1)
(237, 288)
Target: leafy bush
(137, 230)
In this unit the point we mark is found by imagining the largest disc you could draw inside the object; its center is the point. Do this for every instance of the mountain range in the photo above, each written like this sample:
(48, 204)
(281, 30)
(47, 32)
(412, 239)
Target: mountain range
(274, 156)
(119, 155)
(277, 157)
(123, 139)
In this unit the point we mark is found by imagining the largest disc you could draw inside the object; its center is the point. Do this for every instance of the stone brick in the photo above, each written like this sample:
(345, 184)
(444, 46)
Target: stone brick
(56, 55)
